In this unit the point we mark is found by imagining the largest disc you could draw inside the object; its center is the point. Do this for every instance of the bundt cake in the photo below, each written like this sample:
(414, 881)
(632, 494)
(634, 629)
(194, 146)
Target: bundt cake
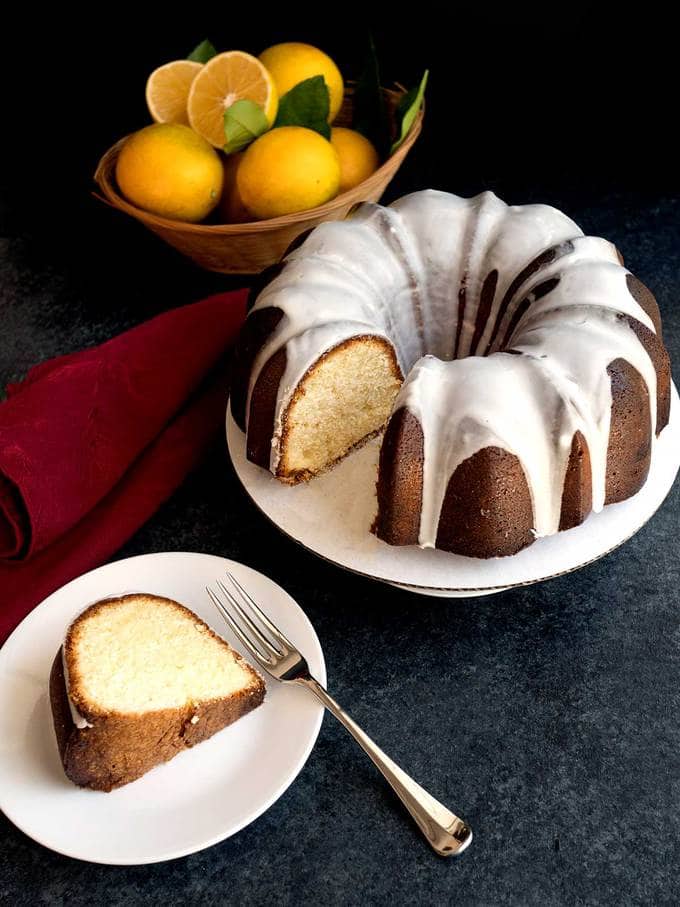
(535, 374)
(139, 679)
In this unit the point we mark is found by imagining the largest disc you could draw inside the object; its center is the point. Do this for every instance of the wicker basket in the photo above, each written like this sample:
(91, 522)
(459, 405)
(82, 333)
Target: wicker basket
(249, 248)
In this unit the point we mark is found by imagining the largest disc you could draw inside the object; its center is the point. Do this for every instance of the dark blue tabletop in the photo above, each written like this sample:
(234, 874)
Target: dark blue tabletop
(548, 716)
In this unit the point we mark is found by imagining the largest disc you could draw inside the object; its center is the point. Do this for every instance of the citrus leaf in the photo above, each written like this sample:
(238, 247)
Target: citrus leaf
(408, 110)
(306, 104)
(370, 113)
(244, 121)
(202, 52)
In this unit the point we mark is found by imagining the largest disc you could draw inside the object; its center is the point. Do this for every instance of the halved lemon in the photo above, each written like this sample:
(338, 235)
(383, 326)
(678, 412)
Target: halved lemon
(167, 90)
(227, 78)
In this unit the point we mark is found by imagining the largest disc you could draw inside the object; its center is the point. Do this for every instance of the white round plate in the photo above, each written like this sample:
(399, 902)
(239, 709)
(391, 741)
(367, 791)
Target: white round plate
(201, 796)
(332, 516)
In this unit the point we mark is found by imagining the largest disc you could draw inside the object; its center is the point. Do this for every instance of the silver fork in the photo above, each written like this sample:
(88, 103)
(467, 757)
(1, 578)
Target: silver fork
(275, 653)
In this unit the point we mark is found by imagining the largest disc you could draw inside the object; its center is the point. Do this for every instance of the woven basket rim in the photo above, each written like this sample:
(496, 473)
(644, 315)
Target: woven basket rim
(103, 176)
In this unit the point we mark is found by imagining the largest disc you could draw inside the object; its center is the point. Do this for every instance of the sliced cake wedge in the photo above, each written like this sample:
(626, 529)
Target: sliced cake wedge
(138, 679)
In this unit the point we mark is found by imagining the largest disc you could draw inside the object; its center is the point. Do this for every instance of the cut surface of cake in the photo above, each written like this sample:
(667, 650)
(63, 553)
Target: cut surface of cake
(138, 679)
(518, 365)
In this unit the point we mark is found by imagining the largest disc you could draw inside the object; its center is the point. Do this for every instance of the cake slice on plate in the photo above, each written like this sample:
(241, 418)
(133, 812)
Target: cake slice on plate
(139, 679)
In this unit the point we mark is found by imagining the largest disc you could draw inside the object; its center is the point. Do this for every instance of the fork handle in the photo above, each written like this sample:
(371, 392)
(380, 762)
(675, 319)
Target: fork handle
(445, 832)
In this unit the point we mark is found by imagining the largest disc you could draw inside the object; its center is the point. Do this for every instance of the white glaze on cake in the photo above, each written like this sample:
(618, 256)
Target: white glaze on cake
(76, 717)
(397, 272)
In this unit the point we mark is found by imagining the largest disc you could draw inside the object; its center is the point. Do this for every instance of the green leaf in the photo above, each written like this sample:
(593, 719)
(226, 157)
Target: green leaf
(370, 112)
(243, 122)
(306, 104)
(202, 52)
(408, 110)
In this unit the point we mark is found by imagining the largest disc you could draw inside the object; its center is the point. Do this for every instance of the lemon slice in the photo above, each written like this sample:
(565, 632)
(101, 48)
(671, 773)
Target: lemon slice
(167, 90)
(227, 78)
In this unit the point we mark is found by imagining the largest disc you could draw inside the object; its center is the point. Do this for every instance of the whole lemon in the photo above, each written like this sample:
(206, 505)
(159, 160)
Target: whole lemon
(358, 158)
(293, 62)
(287, 169)
(231, 209)
(170, 170)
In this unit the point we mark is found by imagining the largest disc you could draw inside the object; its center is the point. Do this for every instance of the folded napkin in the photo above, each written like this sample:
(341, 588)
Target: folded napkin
(93, 442)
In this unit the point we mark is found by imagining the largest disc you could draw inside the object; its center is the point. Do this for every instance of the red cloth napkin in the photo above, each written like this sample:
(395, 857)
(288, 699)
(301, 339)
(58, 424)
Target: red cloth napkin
(92, 443)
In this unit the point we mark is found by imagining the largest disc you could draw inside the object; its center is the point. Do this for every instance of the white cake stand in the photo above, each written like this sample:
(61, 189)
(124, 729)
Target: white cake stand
(332, 516)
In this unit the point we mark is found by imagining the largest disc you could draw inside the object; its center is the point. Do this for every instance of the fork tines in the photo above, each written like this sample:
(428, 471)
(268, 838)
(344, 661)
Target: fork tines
(265, 641)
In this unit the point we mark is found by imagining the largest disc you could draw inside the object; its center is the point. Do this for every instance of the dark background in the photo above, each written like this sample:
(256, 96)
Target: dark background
(547, 716)
(536, 105)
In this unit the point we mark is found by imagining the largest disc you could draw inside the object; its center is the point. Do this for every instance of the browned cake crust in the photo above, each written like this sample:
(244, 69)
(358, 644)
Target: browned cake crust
(577, 495)
(400, 480)
(645, 299)
(120, 748)
(263, 409)
(662, 366)
(546, 257)
(487, 508)
(254, 334)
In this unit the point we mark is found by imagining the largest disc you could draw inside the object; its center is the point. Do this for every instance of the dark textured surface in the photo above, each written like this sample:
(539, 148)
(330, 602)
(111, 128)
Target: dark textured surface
(547, 716)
